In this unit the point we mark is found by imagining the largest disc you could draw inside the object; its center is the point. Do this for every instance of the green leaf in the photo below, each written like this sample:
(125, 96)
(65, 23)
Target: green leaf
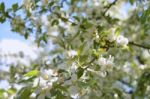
(26, 35)
(76, 18)
(50, 4)
(15, 7)
(2, 91)
(62, 71)
(55, 22)
(86, 24)
(25, 93)
(73, 1)
(117, 31)
(62, 88)
(30, 79)
(64, 19)
(38, 42)
(28, 13)
(83, 84)
(80, 72)
(143, 82)
(2, 7)
(131, 2)
(36, 1)
(44, 38)
(31, 73)
(11, 91)
(2, 19)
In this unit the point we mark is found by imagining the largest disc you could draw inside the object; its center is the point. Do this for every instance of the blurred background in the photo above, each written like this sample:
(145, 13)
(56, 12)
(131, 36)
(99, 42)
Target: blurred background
(17, 52)
(15, 49)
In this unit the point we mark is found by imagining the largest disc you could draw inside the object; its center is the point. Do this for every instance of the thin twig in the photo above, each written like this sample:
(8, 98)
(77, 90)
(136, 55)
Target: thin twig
(110, 5)
(139, 45)
(89, 63)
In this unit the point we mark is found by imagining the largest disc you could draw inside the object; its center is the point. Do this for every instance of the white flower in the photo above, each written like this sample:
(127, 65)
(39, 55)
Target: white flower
(45, 82)
(102, 61)
(103, 74)
(84, 76)
(96, 3)
(127, 68)
(35, 83)
(110, 60)
(44, 85)
(73, 77)
(73, 67)
(75, 96)
(106, 64)
(45, 20)
(96, 36)
(33, 96)
(122, 41)
(74, 92)
(46, 74)
(72, 53)
(28, 4)
(142, 66)
(145, 54)
(44, 94)
(111, 37)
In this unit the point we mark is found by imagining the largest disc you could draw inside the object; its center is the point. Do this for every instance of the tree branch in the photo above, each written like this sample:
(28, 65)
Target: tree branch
(139, 45)
(110, 5)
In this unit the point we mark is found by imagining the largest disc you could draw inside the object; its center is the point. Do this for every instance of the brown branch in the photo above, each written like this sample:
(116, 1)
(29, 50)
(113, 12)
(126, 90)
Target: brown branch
(109, 6)
(139, 45)
(89, 63)
(130, 44)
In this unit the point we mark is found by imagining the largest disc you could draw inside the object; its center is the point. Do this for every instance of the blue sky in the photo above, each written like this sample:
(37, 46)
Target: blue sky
(5, 29)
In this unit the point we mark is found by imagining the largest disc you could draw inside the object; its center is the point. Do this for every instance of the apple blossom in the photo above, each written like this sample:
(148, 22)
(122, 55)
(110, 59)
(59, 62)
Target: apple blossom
(106, 64)
(111, 36)
(78, 38)
(122, 41)
(74, 92)
(72, 53)
(102, 61)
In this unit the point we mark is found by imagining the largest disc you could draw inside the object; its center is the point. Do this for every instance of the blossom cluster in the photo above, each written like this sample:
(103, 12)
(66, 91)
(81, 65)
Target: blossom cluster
(44, 83)
(119, 39)
(106, 64)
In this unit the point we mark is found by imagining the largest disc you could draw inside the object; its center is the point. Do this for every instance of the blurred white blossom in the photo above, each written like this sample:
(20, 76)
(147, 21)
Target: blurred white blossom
(142, 66)
(102, 61)
(96, 3)
(28, 4)
(127, 67)
(122, 41)
(74, 92)
(111, 36)
(72, 53)
(73, 67)
(106, 64)
(44, 83)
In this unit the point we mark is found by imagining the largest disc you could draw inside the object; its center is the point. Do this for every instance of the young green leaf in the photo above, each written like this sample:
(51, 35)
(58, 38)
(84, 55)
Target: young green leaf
(2, 7)
(15, 7)
(32, 73)
(80, 72)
